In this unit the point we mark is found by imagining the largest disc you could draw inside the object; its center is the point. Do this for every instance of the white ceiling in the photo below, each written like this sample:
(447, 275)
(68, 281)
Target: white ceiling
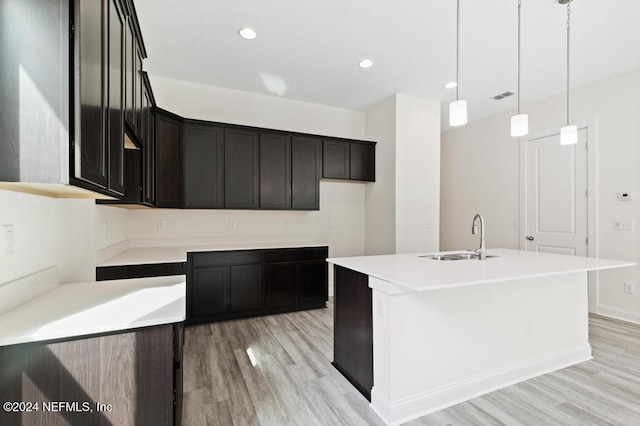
(309, 49)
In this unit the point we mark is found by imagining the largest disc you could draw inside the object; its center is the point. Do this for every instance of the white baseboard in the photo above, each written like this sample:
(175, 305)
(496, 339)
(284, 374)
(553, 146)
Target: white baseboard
(406, 409)
(619, 313)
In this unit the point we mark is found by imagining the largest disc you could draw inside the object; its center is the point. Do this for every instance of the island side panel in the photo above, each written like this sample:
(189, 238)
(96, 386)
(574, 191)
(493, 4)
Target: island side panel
(353, 329)
(435, 349)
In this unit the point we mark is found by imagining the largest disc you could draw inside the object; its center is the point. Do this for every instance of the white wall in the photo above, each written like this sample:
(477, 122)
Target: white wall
(197, 101)
(381, 195)
(480, 173)
(48, 232)
(403, 206)
(417, 174)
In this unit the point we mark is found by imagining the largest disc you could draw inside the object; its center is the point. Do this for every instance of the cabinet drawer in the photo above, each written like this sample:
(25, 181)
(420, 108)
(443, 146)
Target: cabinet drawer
(225, 258)
(294, 254)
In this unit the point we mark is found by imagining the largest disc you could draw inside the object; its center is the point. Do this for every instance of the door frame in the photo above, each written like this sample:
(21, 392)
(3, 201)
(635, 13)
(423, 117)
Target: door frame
(592, 203)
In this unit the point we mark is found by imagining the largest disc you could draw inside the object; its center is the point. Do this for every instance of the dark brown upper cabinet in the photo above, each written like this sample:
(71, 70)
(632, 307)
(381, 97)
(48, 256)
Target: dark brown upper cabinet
(306, 162)
(363, 161)
(241, 169)
(351, 160)
(275, 171)
(335, 159)
(168, 160)
(203, 166)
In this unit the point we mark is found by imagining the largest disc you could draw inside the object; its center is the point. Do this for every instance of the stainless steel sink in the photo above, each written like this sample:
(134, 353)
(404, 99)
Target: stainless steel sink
(454, 256)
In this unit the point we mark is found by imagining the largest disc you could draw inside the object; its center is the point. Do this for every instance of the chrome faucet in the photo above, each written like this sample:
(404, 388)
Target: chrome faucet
(482, 251)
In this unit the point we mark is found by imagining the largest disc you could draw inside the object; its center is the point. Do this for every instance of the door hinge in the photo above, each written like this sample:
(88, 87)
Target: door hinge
(586, 193)
(587, 240)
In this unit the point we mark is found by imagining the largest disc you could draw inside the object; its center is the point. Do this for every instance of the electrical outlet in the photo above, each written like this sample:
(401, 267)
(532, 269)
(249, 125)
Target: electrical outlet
(105, 228)
(629, 288)
(287, 223)
(429, 224)
(528, 326)
(162, 225)
(232, 224)
(6, 240)
(331, 223)
(380, 307)
(623, 225)
(516, 223)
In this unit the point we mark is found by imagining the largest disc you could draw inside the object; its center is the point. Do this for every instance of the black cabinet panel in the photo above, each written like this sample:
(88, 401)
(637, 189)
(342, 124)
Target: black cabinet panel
(209, 291)
(312, 279)
(281, 284)
(305, 173)
(204, 166)
(335, 159)
(168, 161)
(246, 287)
(363, 161)
(215, 258)
(353, 328)
(241, 169)
(92, 142)
(139, 271)
(115, 112)
(275, 171)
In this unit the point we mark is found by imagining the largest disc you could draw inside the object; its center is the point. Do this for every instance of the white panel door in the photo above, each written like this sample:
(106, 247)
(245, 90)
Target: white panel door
(557, 199)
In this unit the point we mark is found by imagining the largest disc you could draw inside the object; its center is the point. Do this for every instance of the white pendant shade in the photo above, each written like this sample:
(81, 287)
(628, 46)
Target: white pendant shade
(569, 135)
(458, 113)
(519, 125)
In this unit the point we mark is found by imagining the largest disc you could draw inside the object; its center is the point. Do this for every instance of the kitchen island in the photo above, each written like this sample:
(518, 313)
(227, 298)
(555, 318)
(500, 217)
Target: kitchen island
(416, 334)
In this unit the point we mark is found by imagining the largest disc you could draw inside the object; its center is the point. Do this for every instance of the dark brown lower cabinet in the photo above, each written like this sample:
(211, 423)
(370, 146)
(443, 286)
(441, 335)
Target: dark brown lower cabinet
(243, 283)
(353, 329)
(126, 377)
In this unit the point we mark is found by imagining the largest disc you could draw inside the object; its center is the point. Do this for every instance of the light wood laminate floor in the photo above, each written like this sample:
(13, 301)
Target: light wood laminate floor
(276, 370)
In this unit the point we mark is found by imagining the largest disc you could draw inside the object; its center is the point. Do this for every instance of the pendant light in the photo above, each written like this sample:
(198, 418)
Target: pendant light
(569, 133)
(519, 122)
(458, 109)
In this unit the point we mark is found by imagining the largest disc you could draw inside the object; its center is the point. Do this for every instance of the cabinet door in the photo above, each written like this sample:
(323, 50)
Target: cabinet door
(91, 145)
(209, 293)
(245, 287)
(204, 166)
(275, 171)
(241, 169)
(313, 281)
(281, 284)
(335, 159)
(115, 112)
(168, 164)
(305, 173)
(363, 161)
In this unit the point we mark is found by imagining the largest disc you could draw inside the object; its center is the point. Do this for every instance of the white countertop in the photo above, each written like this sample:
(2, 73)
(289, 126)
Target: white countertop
(68, 310)
(178, 253)
(423, 274)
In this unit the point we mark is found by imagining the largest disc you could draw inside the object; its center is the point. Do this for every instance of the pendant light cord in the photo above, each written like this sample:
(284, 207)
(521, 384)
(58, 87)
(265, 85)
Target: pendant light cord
(568, 47)
(457, 47)
(519, 7)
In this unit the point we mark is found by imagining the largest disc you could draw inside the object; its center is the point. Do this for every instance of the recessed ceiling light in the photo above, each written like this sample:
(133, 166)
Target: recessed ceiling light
(451, 85)
(365, 63)
(247, 33)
